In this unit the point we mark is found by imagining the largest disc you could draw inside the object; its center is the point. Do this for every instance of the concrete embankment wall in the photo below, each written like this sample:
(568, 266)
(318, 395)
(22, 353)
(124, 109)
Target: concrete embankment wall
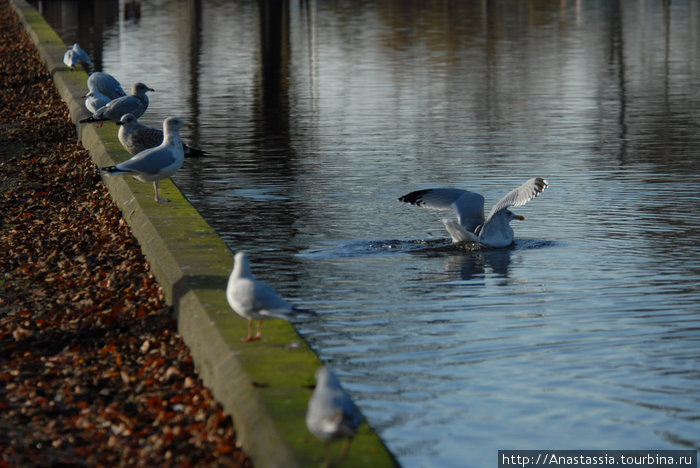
(264, 385)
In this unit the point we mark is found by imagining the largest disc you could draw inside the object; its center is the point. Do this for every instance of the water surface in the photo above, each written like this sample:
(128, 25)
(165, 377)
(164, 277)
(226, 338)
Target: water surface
(317, 116)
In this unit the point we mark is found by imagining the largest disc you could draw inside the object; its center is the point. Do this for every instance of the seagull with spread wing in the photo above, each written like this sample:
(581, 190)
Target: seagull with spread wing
(495, 230)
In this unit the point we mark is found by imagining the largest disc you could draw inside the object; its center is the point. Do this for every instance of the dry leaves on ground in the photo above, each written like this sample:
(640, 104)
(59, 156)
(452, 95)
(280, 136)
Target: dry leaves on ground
(92, 371)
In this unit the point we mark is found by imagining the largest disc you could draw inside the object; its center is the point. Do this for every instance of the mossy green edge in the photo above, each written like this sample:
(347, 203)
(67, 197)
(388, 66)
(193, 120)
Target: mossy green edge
(264, 385)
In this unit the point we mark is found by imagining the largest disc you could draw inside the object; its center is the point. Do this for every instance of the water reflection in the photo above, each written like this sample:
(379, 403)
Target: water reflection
(318, 115)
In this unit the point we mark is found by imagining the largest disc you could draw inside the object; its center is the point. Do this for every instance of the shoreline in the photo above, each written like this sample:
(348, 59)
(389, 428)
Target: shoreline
(87, 376)
(265, 385)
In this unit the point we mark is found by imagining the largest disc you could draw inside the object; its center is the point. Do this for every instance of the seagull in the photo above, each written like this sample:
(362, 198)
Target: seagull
(94, 100)
(253, 299)
(105, 84)
(74, 56)
(135, 104)
(135, 137)
(331, 413)
(156, 163)
(469, 206)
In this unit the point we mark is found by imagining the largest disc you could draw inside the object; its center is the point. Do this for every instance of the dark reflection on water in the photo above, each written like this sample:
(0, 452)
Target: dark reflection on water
(317, 116)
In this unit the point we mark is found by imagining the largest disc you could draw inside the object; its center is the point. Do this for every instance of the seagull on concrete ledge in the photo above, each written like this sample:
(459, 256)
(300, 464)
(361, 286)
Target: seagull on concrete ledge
(253, 299)
(156, 163)
(74, 56)
(94, 100)
(105, 84)
(495, 231)
(135, 104)
(135, 137)
(331, 413)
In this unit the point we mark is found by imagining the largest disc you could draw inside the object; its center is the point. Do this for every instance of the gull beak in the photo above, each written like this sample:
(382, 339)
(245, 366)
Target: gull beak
(519, 217)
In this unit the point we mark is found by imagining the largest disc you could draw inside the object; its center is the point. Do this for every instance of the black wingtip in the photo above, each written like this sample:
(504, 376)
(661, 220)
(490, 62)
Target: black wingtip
(540, 185)
(414, 198)
(92, 119)
(194, 153)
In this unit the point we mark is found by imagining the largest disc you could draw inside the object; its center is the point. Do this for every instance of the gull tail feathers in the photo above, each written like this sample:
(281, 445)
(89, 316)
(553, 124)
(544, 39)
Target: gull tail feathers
(192, 152)
(114, 170)
(92, 119)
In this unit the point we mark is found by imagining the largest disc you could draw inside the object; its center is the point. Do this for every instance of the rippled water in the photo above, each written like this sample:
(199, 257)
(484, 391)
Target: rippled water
(317, 116)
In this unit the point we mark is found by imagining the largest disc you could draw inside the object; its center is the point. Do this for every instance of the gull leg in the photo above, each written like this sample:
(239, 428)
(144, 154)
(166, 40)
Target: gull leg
(259, 334)
(158, 199)
(346, 448)
(326, 453)
(250, 336)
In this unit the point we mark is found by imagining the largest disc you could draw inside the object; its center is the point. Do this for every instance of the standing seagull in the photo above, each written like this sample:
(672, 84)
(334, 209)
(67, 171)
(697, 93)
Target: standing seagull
(135, 137)
(253, 299)
(156, 163)
(74, 56)
(331, 413)
(135, 104)
(469, 206)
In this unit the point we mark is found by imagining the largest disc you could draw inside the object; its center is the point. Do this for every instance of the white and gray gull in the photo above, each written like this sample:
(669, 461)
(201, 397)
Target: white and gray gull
(156, 163)
(74, 55)
(94, 100)
(331, 413)
(102, 88)
(253, 299)
(136, 103)
(105, 84)
(495, 230)
(135, 137)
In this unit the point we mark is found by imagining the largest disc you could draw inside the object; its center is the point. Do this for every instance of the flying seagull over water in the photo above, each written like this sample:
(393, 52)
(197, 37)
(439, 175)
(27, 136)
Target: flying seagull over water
(253, 299)
(469, 206)
(135, 137)
(135, 104)
(73, 56)
(156, 163)
(331, 413)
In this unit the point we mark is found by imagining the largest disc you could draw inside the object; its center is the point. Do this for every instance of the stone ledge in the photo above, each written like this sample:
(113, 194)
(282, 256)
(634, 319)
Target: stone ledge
(263, 385)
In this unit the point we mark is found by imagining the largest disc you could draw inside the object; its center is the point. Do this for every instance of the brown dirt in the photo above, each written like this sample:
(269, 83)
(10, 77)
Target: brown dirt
(92, 371)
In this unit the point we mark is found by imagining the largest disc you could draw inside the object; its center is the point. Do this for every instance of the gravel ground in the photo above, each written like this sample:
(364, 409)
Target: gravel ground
(92, 370)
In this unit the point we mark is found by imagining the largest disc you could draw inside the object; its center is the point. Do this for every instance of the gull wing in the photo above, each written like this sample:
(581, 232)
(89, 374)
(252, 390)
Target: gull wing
(120, 106)
(520, 196)
(257, 298)
(105, 84)
(144, 137)
(150, 161)
(468, 206)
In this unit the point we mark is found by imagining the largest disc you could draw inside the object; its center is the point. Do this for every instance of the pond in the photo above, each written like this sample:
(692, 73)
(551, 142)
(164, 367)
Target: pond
(317, 116)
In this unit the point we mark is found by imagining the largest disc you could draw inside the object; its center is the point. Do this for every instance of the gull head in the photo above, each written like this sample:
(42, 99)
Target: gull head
(139, 89)
(241, 266)
(173, 123)
(127, 120)
(511, 216)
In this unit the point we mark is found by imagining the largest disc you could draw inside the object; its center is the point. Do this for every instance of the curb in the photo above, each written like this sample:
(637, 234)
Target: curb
(263, 385)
